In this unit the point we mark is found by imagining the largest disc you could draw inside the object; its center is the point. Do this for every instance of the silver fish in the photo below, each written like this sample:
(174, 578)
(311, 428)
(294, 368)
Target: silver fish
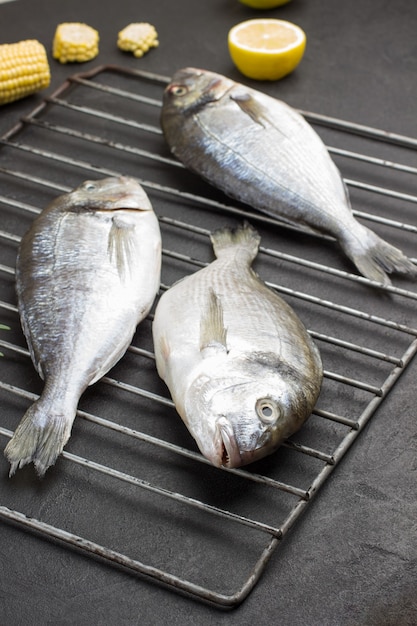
(88, 271)
(241, 368)
(260, 151)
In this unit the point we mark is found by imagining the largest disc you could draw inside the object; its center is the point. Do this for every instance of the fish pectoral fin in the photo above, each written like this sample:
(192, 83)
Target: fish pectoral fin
(251, 107)
(120, 244)
(212, 330)
(254, 109)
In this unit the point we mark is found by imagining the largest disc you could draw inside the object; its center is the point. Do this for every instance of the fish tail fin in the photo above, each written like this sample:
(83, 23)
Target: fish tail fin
(244, 237)
(39, 438)
(376, 258)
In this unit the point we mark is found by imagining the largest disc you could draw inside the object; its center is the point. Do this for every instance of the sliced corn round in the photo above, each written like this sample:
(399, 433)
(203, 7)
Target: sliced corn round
(138, 38)
(75, 42)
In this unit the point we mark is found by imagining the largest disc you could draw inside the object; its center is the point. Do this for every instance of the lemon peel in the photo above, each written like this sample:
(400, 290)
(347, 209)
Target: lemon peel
(264, 4)
(266, 49)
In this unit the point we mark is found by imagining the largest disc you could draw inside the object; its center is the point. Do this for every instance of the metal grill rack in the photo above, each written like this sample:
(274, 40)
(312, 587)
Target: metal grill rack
(130, 457)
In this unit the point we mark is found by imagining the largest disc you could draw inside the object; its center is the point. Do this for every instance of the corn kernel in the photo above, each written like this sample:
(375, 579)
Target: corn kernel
(24, 70)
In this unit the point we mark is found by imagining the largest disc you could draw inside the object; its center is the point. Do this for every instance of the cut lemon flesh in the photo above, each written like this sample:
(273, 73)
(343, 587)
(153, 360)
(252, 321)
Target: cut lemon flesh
(264, 4)
(266, 49)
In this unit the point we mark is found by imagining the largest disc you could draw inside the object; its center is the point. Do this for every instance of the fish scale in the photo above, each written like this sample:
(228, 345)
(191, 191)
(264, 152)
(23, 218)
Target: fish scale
(260, 151)
(87, 273)
(241, 368)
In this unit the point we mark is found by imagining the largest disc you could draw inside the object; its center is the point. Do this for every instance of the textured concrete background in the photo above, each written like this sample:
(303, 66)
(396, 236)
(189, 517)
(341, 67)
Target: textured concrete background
(351, 559)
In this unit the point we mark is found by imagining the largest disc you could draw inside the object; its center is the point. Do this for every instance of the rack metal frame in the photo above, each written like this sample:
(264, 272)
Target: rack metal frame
(20, 140)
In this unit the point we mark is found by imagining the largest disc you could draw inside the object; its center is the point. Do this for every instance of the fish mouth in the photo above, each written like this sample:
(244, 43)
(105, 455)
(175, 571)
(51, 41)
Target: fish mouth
(229, 450)
(126, 195)
(130, 204)
(213, 90)
(218, 88)
(132, 197)
(127, 201)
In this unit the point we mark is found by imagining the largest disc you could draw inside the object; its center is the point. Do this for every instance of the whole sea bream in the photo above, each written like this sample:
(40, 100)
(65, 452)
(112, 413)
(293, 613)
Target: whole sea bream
(87, 273)
(260, 151)
(241, 368)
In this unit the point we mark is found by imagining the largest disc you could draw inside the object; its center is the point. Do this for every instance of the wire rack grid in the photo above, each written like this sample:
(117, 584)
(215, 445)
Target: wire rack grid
(130, 457)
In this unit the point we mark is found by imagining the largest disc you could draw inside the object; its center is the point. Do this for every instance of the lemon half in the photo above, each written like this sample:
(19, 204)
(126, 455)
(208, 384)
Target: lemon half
(264, 4)
(266, 49)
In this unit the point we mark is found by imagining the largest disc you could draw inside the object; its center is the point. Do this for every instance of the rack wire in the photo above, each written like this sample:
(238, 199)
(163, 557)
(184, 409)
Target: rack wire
(130, 457)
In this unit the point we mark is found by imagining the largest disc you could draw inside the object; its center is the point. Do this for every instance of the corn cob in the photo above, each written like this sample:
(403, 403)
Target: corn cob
(75, 42)
(24, 69)
(138, 38)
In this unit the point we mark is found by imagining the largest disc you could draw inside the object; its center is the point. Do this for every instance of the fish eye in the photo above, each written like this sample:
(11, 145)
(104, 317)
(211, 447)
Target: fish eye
(89, 186)
(178, 90)
(267, 410)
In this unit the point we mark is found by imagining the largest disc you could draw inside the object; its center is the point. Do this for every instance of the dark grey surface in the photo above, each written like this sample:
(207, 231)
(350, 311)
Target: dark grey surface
(351, 560)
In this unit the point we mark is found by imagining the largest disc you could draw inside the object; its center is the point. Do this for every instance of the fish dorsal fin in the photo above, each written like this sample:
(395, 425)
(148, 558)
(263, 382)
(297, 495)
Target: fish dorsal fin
(120, 244)
(212, 329)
